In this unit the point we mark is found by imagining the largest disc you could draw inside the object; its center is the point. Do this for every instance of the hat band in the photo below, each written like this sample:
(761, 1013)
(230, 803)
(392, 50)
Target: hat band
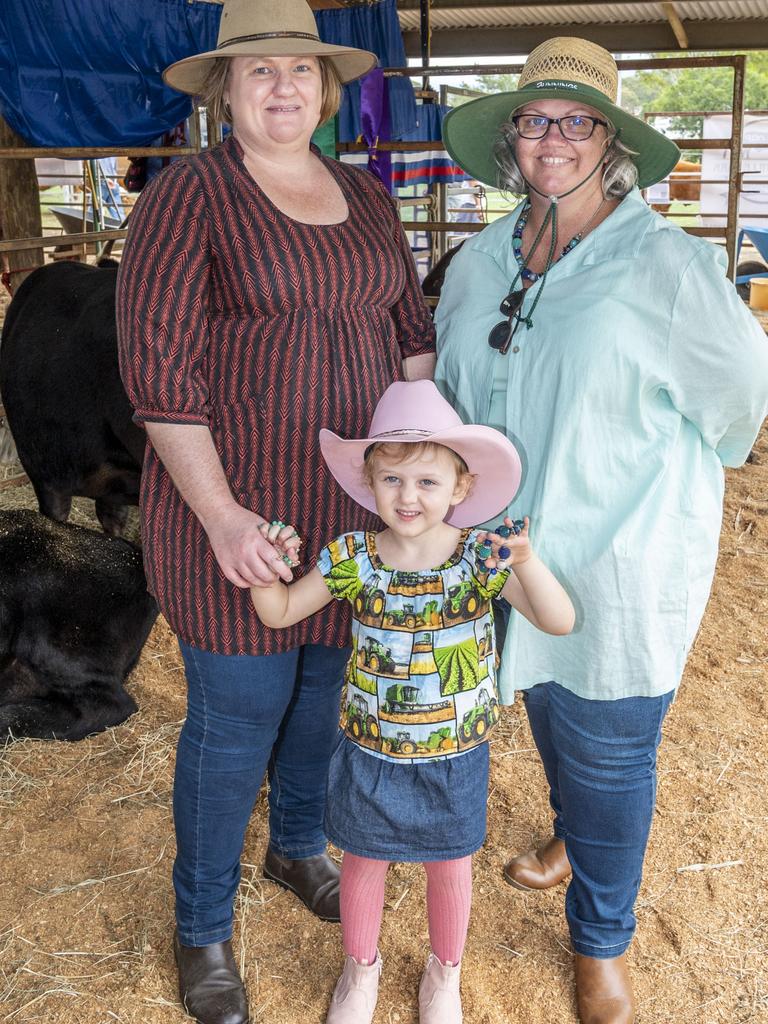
(405, 430)
(566, 84)
(268, 35)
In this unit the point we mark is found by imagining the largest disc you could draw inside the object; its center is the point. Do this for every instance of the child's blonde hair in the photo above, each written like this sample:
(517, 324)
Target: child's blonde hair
(402, 451)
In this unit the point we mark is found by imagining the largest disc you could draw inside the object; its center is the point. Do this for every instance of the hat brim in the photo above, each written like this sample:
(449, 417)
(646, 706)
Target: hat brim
(490, 457)
(469, 131)
(189, 75)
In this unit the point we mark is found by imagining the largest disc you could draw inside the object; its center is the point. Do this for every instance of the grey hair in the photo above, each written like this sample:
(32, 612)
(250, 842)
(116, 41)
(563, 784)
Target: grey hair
(619, 173)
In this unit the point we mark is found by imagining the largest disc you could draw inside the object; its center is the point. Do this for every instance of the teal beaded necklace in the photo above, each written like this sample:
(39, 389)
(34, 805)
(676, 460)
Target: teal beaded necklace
(501, 335)
(517, 242)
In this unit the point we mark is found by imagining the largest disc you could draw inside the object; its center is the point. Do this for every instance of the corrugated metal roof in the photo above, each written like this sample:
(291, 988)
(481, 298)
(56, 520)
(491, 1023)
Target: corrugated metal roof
(584, 14)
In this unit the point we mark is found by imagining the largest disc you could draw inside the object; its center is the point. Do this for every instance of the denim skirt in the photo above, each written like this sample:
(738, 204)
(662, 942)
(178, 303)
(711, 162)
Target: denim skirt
(435, 810)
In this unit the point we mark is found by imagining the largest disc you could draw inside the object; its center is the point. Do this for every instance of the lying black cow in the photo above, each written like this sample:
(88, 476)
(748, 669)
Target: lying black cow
(63, 398)
(74, 615)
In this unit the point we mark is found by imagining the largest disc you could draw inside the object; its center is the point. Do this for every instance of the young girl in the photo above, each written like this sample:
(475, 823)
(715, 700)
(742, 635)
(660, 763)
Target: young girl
(409, 778)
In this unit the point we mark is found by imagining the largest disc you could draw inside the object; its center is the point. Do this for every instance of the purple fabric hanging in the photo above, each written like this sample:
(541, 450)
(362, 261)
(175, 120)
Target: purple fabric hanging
(374, 117)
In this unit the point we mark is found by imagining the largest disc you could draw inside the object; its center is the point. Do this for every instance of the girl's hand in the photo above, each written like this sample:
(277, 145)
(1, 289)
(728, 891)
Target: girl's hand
(284, 538)
(507, 551)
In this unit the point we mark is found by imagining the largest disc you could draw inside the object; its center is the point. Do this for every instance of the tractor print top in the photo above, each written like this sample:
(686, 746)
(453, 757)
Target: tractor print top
(421, 680)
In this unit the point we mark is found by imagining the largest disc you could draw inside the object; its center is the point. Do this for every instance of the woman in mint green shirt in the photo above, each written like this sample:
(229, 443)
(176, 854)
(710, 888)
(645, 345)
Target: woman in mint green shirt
(611, 348)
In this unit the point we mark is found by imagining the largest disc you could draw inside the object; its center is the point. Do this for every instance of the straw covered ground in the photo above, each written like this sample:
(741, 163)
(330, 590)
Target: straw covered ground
(86, 846)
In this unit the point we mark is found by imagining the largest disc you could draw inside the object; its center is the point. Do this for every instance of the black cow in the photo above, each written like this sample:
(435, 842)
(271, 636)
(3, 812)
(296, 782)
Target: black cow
(74, 615)
(63, 398)
(432, 285)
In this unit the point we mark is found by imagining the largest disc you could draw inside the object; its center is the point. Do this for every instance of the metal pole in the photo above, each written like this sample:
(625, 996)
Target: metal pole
(425, 41)
(734, 178)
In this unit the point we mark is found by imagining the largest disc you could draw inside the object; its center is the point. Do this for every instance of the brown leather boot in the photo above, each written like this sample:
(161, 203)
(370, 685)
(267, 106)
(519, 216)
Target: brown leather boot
(315, 880)
(604, 990)
(539, 869)
(210, 986)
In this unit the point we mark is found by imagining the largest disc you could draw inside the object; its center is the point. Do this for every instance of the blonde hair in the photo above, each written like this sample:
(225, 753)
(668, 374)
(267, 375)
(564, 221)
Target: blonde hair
(406, 451)
(215, 88)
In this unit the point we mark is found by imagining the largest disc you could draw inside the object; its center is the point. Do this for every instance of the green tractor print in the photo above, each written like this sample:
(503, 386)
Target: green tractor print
(403, 617)
(403, 698)
(402, 743)
(360, 722)
(369, 603)
(375, 657)
(479, 719)
(439, 741)
(462, 601)
(485, 643)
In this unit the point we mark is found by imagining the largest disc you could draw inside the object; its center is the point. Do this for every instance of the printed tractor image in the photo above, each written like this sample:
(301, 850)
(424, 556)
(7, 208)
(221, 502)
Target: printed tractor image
(401, 617)
(370, 600)
(461, 599)
(405, 698)
(402, 698)
(375, 656)
(478, 720)
(359, 720)
(402, 743)
(485, 643)
(409, 618)
(438, 740)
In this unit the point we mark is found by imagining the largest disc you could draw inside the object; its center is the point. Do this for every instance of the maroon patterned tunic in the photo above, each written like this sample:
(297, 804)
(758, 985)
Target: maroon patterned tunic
(233, 315)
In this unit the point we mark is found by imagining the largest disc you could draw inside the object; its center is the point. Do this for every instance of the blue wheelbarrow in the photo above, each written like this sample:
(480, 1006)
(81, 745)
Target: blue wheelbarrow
(751, 268)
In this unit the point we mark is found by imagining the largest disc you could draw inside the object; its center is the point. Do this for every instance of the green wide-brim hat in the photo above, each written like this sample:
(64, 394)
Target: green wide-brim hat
(563, 68)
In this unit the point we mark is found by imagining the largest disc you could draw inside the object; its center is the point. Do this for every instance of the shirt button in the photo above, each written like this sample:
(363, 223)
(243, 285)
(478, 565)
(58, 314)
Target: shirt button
(515, 348)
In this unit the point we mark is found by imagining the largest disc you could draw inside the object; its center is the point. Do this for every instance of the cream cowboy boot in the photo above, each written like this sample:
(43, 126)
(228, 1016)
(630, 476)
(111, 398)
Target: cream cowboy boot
(439, 998)
(354, 998)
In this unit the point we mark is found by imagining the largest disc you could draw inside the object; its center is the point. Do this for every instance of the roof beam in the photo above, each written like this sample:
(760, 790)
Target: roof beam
(413, 5)
(649, 37)
(676, 24)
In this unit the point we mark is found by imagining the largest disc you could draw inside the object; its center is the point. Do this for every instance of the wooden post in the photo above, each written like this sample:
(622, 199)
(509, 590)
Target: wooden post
(19, 207)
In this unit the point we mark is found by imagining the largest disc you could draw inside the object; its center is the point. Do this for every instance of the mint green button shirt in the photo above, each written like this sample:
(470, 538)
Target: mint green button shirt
(642, 376)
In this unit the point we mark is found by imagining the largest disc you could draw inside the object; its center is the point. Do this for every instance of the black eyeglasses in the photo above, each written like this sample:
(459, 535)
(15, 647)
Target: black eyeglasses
(574, 128)
(501, 335)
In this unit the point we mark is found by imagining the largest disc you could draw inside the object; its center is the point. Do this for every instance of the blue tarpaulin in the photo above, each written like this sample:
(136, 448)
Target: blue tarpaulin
(88, 72)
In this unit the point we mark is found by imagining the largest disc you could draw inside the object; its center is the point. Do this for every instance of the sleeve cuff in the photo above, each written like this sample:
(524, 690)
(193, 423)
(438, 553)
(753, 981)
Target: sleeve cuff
(142, 416)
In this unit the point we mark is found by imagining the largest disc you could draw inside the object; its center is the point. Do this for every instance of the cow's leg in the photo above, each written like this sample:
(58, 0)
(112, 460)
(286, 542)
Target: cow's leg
(112, 516)
(54, 504)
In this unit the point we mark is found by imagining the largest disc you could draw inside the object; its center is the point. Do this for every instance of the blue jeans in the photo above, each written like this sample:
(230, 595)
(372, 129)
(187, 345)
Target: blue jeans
(246, 715)
(600, 761)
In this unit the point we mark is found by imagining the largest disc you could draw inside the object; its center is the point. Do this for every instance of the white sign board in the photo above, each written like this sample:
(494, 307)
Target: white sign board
(715, 163)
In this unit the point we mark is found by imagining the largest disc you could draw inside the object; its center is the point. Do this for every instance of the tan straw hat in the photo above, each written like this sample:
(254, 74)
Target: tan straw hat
(267, 28)
(564, 67)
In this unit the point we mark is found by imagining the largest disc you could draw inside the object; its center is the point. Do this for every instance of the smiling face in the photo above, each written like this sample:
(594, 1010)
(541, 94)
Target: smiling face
(413, 494)
(553, 164)
(275, 101)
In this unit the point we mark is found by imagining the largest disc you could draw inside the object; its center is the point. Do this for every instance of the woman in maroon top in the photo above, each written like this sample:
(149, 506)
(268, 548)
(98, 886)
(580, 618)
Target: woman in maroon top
(264, 292)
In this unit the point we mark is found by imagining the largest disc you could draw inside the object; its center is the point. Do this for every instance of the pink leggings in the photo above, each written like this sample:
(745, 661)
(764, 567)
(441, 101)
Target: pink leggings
(449, 898)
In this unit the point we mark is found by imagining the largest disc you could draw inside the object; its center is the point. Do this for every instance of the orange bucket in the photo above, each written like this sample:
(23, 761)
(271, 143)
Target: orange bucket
(758, 293)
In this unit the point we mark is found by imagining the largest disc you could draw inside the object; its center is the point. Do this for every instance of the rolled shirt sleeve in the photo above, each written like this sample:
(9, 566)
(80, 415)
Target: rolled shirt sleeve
(162, 301)
(717, 359)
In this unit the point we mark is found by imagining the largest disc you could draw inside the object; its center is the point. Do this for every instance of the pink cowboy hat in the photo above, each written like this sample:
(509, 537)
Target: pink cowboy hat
(416, 411)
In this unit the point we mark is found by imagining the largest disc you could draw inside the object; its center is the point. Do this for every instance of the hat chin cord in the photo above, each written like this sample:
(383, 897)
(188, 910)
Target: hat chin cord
(551, 215)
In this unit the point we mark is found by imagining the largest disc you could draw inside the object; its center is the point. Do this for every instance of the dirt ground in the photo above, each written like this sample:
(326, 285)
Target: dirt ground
(86, 847)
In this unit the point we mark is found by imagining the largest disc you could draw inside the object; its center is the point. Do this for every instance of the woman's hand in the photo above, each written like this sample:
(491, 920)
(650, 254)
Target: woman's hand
(510, 550)
(245, 554)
